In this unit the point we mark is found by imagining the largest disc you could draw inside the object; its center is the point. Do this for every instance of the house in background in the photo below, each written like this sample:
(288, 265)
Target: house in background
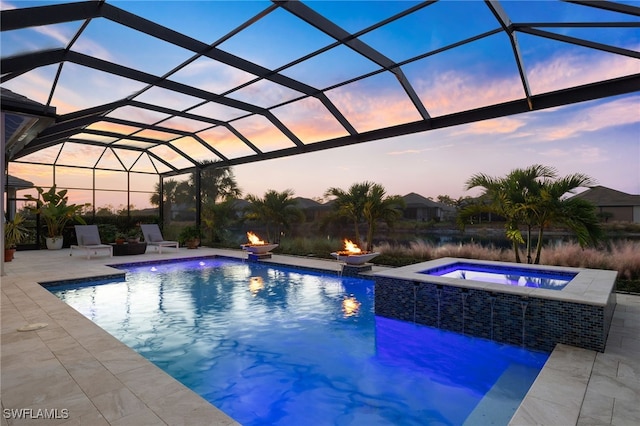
(417, 208)
(313, 210)
(613, 205)
(423, 209)
(14, 184)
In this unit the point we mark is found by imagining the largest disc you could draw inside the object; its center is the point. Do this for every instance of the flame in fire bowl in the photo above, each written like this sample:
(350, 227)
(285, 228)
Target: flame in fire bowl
(352, 255)
(256, 245)
(354, 259)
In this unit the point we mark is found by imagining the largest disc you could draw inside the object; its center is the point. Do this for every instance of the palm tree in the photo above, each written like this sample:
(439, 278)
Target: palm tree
(496, 199)
(218, 193)
(173, 192)
(217, 183)
(366, 202)
(217, 217)
(350, 204)
(577, 214)
(380, 207)
(524, 187)
(532, 197)
(276, 209)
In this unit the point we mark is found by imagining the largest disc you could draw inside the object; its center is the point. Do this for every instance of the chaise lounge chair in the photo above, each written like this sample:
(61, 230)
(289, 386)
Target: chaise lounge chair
(153, 237)
(89, 241)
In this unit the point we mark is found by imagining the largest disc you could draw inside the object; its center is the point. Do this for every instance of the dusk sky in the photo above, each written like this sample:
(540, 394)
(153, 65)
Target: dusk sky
(599, 138)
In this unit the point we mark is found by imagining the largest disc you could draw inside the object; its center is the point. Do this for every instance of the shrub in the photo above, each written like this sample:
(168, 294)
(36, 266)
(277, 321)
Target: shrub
(316, 247)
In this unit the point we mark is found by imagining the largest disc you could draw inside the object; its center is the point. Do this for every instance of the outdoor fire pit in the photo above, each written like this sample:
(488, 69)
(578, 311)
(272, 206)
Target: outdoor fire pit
(256, 246)
(353, 255)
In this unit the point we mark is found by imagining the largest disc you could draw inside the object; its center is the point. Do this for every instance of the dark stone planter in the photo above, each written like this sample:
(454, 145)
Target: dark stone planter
(129, 249)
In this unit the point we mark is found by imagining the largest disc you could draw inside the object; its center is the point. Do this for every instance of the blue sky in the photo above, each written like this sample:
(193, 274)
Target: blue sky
(599, 138)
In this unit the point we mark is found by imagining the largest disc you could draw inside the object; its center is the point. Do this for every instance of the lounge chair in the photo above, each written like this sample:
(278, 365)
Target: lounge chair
(153, 237)
(89, 241)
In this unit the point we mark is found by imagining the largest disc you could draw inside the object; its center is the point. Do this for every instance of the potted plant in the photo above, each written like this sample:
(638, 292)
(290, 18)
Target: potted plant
(121, 237)
(54, 209)
(14, 233)
(190, 236)
(107, 232)
(134, 235)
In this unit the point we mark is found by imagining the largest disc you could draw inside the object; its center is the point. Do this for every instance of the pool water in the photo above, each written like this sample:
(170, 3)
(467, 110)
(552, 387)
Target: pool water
(504, 275)
(277, 346)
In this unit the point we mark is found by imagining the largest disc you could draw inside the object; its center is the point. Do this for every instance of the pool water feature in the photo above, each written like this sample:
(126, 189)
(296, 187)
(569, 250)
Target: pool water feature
(271, 345)
(538, 316)
(553, 280)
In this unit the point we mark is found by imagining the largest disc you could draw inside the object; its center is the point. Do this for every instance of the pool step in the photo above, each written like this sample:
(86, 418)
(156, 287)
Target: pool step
(512, 385)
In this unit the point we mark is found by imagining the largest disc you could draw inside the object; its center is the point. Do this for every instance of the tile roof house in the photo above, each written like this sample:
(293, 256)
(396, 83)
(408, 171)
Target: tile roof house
(420, 208)
(312, 209)
(613, 205)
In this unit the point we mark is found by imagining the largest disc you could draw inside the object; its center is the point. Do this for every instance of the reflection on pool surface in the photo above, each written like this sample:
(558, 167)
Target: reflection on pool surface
(271, 345)
(521, 277)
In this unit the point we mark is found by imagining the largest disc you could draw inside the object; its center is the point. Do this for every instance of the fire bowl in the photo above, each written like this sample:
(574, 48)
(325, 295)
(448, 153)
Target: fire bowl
(259, 248)
(354, 259)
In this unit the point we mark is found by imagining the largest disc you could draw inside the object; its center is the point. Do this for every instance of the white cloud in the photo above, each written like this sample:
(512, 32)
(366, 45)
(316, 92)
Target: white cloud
(591, 119)
(571, 70)
(368, 109)
(55, 32)
(91, 48)
(498, 125)
(583, 154)
(555, 153)
(417, 151)
(591, 154)
(211, 75)
(457, 90)
(62, 35)
(7, 6)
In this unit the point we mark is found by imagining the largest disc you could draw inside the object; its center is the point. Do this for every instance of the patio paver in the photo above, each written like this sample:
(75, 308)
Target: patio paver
(74, 365)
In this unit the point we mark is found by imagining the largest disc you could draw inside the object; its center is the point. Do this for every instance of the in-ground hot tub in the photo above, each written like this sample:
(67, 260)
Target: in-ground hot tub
(505, 275)
(530, 305)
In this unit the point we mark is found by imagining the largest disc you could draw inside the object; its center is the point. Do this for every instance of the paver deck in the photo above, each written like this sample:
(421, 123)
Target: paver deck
(82, 375)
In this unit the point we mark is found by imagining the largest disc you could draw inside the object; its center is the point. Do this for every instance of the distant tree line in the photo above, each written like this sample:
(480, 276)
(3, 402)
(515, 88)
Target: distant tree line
(529, 199)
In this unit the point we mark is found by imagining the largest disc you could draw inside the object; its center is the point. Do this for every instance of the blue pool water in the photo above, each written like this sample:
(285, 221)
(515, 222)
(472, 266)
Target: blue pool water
(278, 346)
(521, 277)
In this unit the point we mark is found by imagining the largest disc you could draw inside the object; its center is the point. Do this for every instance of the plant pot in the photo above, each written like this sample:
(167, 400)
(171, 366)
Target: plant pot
(192, 243)
(8, 254)
(120, 240)
(54, 243)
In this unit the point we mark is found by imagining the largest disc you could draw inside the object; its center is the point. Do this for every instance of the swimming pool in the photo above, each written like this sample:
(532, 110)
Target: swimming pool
(271, 345)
